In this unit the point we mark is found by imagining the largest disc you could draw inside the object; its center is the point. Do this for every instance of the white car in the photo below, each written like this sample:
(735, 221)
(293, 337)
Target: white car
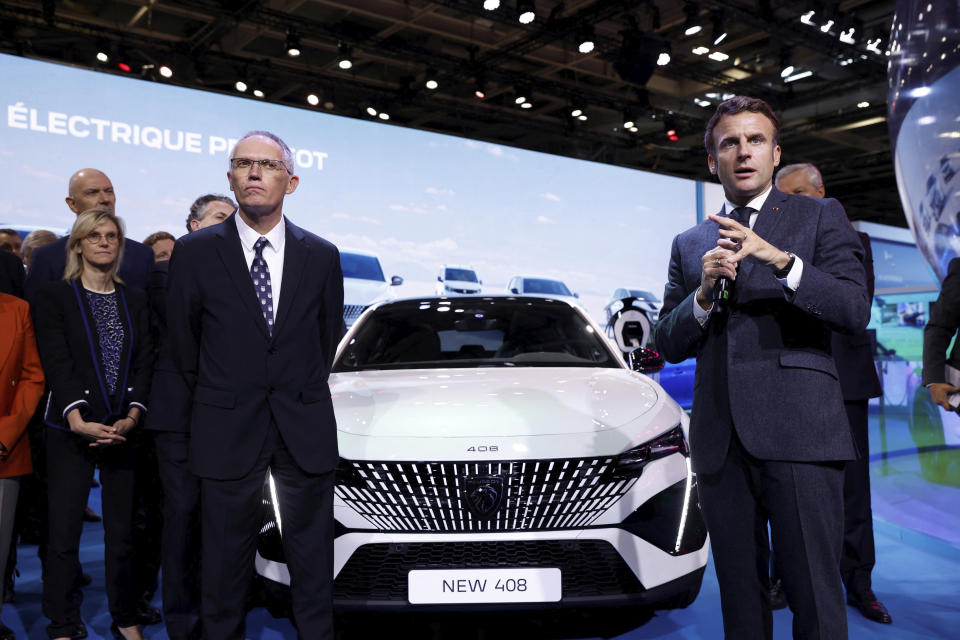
(363, 283)
(497, 451)
(540, 286)
(455, 280)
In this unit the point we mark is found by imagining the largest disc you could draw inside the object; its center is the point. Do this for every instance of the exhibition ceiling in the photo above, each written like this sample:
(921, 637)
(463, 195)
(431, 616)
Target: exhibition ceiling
(646, 72)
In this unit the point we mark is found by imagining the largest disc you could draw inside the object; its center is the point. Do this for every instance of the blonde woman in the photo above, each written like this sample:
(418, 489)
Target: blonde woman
(92, 333)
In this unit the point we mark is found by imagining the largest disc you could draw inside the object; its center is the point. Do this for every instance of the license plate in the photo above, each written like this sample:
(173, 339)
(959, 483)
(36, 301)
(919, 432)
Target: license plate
(456, 586)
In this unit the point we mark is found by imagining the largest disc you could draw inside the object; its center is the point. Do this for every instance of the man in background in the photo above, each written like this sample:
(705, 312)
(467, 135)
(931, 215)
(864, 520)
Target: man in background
(35, 240)
(162, 244)
(209, 210)
(10, 242)
(853, 354)
(169, 421)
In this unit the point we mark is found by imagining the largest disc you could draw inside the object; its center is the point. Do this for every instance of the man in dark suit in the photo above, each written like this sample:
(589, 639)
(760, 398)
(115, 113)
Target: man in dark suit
(88, 188)
(255, 358)
(768, 431)
(937, 335)
(853, 354)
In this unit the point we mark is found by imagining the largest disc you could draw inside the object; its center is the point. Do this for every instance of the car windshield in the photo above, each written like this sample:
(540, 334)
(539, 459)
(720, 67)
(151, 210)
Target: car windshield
(643, 295)
(460, 275)
(475, 332)
(542, 285)
(356, 265)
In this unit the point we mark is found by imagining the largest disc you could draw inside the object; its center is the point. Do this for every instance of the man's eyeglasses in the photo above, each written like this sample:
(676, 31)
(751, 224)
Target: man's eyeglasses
(96, 238)
(243, 165)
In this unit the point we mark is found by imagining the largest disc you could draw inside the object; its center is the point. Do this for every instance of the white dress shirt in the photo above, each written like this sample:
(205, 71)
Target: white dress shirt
(272, 254)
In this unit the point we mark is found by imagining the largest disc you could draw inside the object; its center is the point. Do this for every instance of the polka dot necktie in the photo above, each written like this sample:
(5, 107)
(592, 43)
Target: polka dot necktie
(261, 282)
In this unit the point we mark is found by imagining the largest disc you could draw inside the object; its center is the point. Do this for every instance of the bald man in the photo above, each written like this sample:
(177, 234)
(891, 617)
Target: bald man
(88, 188)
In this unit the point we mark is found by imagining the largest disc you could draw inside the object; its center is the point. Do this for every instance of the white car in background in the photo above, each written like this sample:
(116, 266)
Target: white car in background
(455, 280)
(542, 286)
(363, 283)
(496, 451)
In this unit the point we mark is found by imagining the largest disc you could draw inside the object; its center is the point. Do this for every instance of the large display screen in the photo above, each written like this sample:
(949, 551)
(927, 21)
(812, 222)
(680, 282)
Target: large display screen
(417, 200)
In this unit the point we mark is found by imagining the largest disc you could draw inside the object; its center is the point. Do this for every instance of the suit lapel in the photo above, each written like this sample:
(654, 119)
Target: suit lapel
(294, 266)
(766, 227)
(231, 254)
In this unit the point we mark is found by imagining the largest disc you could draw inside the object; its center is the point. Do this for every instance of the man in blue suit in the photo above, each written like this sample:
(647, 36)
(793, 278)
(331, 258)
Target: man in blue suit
(768, 431)
(254, 315)
(88, 188)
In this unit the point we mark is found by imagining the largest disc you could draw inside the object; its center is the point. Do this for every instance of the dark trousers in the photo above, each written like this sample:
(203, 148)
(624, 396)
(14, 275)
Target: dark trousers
(70, 465)
(181, 536)
(147, 519)
(232, 517)
(858, 557)
(803, 503)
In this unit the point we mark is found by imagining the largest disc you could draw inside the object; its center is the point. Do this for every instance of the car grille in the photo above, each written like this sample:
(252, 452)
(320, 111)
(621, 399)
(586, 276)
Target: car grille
(351, 312)
(589, 568)
(526, 495)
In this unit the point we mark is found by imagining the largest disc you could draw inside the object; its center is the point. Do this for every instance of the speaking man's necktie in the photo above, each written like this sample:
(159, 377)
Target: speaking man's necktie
(261, 282)
(742, 215)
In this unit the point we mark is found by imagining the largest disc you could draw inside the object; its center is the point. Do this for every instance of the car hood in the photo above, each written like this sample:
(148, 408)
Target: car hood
(364, 292)
(493, 402)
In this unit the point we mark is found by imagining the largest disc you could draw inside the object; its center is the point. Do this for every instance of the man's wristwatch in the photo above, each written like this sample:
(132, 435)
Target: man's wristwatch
(783, 273)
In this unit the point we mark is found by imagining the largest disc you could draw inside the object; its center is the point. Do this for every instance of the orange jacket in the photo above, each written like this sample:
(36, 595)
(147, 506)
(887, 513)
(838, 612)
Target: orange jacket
(21, 384)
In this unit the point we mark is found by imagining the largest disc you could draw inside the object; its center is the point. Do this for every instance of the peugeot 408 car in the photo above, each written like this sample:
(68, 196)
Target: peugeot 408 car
(498, 452)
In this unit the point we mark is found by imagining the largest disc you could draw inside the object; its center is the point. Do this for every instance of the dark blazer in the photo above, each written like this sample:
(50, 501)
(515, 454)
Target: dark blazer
(942, 326)
(48, 262)
(854, 353)
(170, 399)
(70, 352)
(241, 377)
(777, 381)
(11, 274)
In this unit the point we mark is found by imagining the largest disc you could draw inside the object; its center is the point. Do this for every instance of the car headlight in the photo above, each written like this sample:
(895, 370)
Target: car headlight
(632, 461)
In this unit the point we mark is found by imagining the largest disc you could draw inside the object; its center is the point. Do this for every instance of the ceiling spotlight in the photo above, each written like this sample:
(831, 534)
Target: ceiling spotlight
(313, 100)
(719, 33)
(344, 56)
(479, 88)
(526, 105)
(628, 120)
(371, 112)
(699, 51)
(863, 104)
(165, 71)
(827, 26)
(786, 66)
(526, 10)
(293, 44)
(692, 26)
(585, 38)
(719, 56)
(663, 59)
(670, 129)
(491, 5)
(240, 85)
(102, 56)
(258, 93)
(798, 76)
(123, 66)
(383, 115)
(576, 110)
(431, 80)
(807, 18)
(522, 93)
(846, 36)
(582, 117)
(701, 103)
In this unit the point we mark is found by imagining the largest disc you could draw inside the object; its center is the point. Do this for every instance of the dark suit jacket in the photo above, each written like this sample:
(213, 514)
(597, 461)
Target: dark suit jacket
(766, 369)
(48, 262)
(854, 353)
(11, 274)
(169, 395)
(70, 352)
(943, 325)
(241, 377)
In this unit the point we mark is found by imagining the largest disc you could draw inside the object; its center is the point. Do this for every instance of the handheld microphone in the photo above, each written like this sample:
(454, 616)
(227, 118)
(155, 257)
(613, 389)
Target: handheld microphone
(722, 290)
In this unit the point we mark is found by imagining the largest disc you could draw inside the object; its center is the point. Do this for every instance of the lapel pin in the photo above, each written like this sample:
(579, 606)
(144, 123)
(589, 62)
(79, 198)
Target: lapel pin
(776, 208)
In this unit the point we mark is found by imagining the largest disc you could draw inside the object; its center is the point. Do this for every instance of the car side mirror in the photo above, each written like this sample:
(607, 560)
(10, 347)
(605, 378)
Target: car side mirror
(396, 281)
(514, 291)
(646, 360)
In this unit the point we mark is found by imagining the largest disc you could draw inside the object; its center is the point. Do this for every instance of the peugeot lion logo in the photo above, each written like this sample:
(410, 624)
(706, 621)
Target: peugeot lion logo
(484, 495)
